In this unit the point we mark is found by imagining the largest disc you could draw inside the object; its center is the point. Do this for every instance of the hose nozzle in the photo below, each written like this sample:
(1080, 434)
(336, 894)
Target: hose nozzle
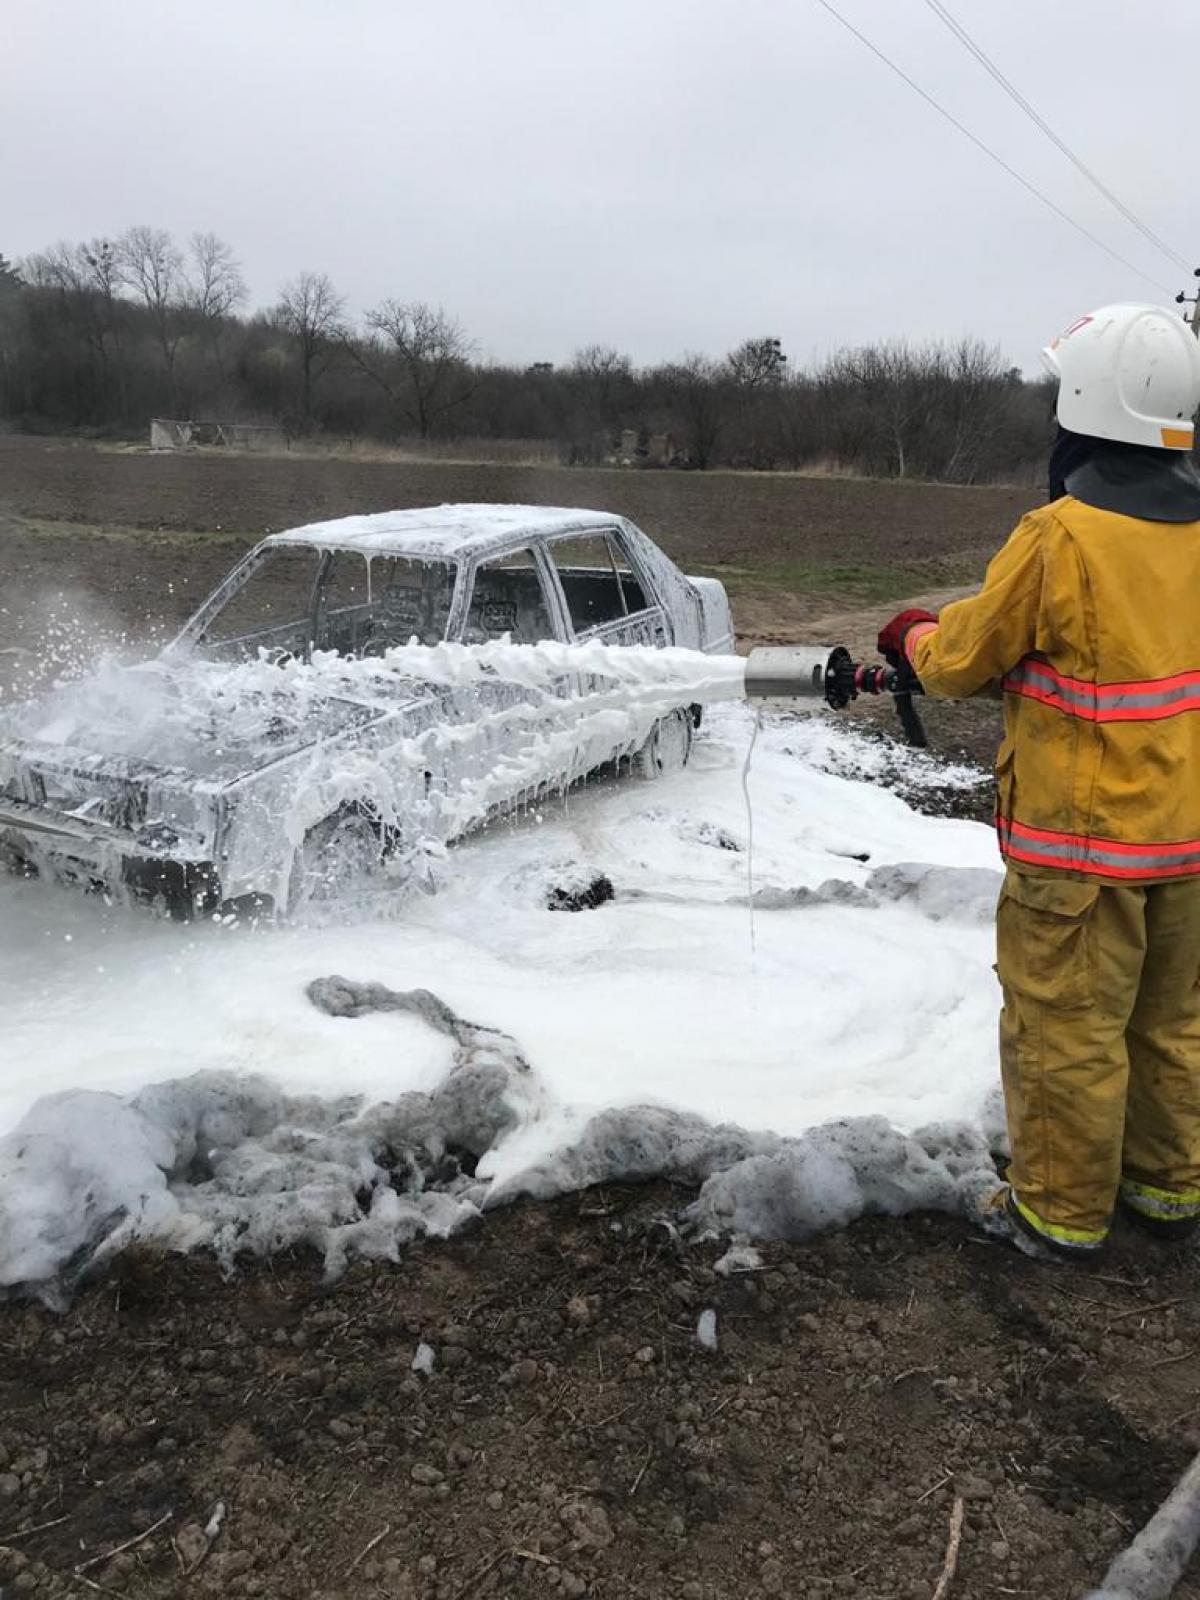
(827, 672)
(801, 672)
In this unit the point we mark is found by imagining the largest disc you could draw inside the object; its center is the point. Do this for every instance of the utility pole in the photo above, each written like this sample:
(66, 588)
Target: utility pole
(1194, 301)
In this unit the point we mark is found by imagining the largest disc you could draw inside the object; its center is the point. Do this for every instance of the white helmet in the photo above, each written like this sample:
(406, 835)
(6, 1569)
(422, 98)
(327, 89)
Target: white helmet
(1129, 372)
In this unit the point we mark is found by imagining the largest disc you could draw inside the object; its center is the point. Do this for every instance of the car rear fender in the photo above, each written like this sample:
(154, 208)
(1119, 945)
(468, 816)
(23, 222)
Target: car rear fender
(716, 616)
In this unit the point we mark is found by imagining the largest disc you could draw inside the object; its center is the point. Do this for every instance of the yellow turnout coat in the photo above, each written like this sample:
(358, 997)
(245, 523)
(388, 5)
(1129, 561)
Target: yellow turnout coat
(1092, 622)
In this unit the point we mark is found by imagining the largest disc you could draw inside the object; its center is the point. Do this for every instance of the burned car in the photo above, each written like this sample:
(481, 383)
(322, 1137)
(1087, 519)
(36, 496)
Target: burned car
(261, 757)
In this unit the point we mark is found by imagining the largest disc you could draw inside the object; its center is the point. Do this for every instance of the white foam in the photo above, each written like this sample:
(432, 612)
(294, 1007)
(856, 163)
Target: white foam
(882, 1005)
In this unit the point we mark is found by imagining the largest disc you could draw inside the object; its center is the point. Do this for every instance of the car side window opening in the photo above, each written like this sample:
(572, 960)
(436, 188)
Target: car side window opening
(509, 597)
(366, 606)
(299, 599)
(599, 584)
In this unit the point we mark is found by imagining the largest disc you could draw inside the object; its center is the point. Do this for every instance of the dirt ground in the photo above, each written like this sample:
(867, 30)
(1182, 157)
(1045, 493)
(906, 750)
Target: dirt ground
(760, 519)
(573, 1438)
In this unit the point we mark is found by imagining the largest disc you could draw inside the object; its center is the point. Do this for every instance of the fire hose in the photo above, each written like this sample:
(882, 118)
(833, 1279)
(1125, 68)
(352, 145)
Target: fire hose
(830, 673)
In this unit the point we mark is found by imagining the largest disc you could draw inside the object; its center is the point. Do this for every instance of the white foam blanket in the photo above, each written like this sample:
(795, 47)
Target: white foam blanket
(806, 1044)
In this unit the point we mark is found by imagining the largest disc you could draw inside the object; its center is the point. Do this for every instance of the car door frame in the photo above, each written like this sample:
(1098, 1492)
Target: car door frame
(626, 539)
(622, 632)
(556, 603)
(500, 695)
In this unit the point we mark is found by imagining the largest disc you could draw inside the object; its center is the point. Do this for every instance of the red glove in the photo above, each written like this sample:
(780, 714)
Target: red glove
(891, 638)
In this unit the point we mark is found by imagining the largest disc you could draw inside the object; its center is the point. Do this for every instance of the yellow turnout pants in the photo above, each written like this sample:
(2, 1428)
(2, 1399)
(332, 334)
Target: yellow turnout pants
(1100, 1050)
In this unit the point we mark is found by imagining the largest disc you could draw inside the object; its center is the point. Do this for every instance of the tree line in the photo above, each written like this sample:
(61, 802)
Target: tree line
(99, 336)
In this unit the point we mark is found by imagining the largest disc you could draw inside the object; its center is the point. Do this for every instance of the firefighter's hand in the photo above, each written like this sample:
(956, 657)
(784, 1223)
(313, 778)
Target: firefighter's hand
(891, 638)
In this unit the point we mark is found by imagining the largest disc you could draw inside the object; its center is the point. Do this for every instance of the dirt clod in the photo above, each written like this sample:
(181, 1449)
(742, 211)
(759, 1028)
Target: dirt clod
(597, 892)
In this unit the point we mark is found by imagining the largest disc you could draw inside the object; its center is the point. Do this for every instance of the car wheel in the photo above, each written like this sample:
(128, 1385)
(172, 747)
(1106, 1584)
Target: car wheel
(667, 748)
(337, 855)
(14, 860)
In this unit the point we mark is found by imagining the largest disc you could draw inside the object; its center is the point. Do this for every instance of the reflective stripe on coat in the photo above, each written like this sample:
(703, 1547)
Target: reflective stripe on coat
(1091, 622)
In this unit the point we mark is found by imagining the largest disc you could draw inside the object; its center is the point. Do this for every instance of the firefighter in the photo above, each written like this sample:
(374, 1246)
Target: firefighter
(1090, 619)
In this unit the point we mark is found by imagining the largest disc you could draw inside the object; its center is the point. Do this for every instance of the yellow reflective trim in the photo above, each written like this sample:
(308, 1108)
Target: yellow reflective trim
(1178, 438)
(1162, 1210)
(1087, 1237)
(1161, 1202)
(1187, 1196)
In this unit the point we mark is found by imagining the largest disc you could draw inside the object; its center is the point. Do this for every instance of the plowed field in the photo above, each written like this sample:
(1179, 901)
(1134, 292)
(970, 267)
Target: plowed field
(762, 520)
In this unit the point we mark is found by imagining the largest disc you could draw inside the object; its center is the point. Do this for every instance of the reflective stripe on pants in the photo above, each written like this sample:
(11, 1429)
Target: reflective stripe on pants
(1160, 1205)
(1100, 1049)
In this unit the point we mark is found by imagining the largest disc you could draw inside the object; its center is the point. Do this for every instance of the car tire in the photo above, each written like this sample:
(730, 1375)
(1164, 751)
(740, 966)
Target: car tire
(338, 853)
(14, 861)
(667, 749)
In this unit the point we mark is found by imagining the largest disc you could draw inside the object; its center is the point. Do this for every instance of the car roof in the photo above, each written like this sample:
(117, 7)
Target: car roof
(445, 533)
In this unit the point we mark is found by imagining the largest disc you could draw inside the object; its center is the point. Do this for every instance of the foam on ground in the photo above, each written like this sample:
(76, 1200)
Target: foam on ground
(652, 1037)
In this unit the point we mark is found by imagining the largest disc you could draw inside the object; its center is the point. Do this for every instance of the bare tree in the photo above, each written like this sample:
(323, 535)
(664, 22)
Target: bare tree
(931, 411)
(755, 374)
(87, 333)
(11, 286)
(798, 420)
(885, 393)
(148, 264)
(602, 363)
(86, 279)
(83, 270)
(215, 288)
(974, 407)
(419, 357)
(101, 268)
(697, 393)
(757, 363)
(311, 310)
(603, 379)
(104, 278)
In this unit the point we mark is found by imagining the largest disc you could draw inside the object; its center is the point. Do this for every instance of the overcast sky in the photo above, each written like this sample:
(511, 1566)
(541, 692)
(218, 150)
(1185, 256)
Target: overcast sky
(661, 175)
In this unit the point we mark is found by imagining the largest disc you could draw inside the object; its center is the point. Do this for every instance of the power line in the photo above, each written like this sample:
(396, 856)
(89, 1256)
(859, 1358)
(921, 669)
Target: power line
(1010, 89)
(987, 150)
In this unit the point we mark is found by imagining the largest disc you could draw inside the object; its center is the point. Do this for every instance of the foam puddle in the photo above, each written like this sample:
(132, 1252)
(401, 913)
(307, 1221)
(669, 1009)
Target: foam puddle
(644, 1042)
(230, 1162)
